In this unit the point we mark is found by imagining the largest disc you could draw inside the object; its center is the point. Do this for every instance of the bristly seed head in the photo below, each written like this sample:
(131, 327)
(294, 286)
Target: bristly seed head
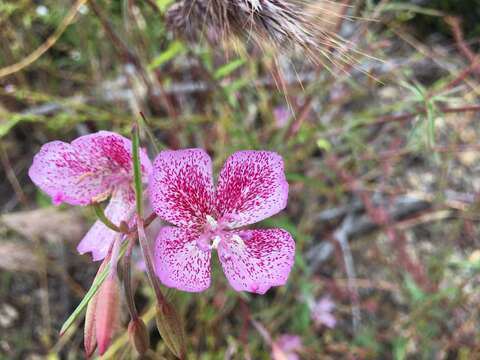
(280, 22)
(311, 25)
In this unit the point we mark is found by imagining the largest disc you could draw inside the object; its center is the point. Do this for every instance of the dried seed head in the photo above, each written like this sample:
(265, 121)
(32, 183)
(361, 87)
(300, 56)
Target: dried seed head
(278, 21)
(307, 24)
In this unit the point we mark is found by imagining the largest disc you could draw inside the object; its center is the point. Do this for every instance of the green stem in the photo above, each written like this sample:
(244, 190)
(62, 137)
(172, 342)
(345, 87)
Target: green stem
(127, 279)
(103, 218)
(147, 255)
(137, 173)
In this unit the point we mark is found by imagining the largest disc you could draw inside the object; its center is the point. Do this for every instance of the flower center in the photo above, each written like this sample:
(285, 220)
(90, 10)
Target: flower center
(213, 224)
(215, 233)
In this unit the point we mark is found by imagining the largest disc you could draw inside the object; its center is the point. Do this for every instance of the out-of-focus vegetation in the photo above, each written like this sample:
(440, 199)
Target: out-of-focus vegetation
(468, 10)
(382, 158)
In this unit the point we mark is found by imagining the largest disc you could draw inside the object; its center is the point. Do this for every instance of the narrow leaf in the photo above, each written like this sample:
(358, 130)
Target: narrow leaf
(227, 69)
(173, 50)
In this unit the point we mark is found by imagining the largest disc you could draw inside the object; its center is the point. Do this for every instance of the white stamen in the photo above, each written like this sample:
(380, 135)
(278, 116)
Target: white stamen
(216, 241)
(213, 223)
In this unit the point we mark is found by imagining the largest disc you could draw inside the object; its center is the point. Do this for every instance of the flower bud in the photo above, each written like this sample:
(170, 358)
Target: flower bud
(138, 334)
(107, 312)
(89, 338)
(170, 328)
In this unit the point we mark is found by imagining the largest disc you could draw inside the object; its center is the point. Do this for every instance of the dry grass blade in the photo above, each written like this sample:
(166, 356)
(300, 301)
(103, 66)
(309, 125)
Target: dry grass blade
(42, 49)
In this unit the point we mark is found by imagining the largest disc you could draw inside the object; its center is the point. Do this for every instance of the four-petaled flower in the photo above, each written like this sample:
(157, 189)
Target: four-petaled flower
(89, 170)
(286, 347)
(322, 312)
(251, 187)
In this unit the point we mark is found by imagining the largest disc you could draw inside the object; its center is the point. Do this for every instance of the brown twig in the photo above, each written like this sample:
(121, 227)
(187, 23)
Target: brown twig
(42, 49)
(380, 216)
(473, 58)
(409, 116)
(12, 178)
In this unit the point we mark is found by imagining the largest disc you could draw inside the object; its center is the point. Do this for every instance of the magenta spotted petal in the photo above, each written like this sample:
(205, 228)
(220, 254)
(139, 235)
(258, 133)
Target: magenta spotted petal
(99, 238)
(85, 171)
(91, 169)
(252, 187)
(255, 260)
(179, 262)
(181, 187)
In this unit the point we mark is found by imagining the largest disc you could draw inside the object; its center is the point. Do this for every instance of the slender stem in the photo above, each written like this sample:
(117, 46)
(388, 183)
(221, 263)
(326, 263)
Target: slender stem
(137, 173)
(149, 219)
(146, 223)
(103, 218)
(127, 279)
(147, 255)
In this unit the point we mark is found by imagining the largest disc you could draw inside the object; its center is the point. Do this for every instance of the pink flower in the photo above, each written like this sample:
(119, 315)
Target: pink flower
(89, 170)
(281, 115)
(322, 312)
(251, 187)
(286, 347)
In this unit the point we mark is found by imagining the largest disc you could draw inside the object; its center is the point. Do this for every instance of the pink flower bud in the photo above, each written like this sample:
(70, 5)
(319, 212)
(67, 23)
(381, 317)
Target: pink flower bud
(107, 312)
(138, 334)
(171, 329)
(89, 338)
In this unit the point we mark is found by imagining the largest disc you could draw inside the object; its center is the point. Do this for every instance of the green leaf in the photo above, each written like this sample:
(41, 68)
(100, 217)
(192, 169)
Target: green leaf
(400, 348)
(324, 144)
(7, 125)
(163, 4)
(227, 69)
(173, 50)
(414, 291)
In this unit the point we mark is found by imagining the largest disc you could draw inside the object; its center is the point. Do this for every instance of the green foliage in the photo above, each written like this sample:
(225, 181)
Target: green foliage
(428, 18)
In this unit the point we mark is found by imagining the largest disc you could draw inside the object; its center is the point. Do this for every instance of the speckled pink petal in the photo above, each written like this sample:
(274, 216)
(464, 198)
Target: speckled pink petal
(181, 187)
(112, 153)
(179, 263)
(99, 237)
(66, 174)
(86, 170)
(251, 187)
(258, 259)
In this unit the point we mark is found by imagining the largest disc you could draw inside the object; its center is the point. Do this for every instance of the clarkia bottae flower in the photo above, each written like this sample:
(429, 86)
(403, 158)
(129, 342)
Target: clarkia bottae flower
(286, 347)
(89, 170)
(251, 187)
(322, 312)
